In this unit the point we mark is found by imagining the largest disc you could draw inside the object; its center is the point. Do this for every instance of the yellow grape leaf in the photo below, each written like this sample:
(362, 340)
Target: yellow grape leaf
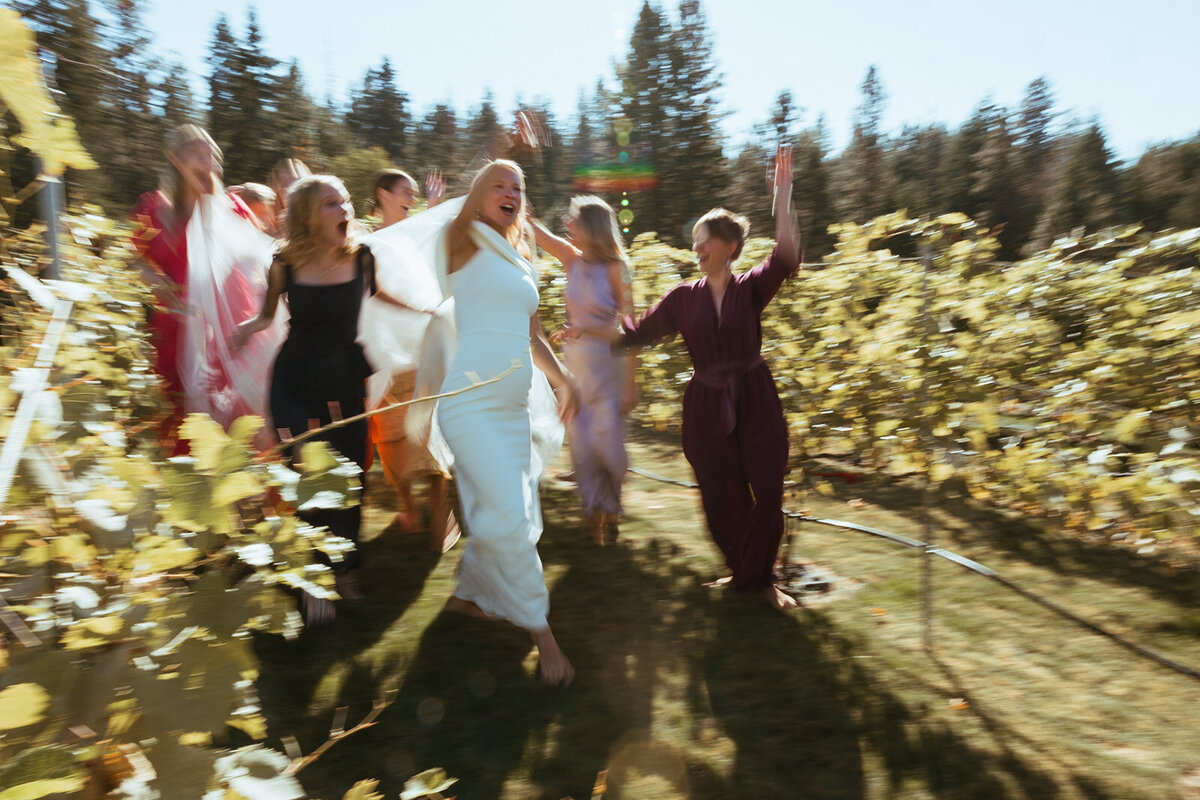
(244, 429)
(44, 129)
(885, 427)
(237, 486)
(363, 790)
(253, 725)
(940, 472)
(73, 549)
(93, 632)
(825, 488)
(35, 790)
(160, 554)
(316, 457)
(196, 738)
(206, 439)
(22, 704)
(1125, 430)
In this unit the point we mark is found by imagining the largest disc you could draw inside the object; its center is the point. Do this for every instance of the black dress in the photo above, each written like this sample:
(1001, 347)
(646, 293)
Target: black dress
(321, 370)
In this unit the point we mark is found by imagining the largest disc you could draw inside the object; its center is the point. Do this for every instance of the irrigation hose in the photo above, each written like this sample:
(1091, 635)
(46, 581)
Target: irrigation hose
(973, 566)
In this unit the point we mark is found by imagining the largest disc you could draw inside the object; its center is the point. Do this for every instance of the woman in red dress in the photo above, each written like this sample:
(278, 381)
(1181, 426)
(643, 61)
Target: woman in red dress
(160, 221)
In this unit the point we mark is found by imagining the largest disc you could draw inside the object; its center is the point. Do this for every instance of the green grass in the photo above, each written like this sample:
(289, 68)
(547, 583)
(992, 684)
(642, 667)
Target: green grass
(688, 692)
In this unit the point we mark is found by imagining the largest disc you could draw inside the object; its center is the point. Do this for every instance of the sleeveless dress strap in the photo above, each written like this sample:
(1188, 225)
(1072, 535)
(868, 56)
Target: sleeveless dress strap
(365, 268)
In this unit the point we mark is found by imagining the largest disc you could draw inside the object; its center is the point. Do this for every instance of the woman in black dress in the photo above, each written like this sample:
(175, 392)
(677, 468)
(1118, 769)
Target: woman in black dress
(320, 373)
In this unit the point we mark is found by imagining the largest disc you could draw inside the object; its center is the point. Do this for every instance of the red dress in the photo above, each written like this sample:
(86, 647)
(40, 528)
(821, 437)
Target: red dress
(164, 246)
(734, 433)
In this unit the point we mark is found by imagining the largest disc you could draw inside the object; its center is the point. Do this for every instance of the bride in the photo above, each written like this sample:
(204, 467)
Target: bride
(490, 432)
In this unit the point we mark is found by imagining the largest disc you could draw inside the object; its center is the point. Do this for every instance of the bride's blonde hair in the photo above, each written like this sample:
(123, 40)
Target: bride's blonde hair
(458, 236)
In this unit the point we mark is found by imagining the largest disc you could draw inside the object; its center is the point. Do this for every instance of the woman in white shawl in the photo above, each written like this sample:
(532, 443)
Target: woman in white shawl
(489, 430)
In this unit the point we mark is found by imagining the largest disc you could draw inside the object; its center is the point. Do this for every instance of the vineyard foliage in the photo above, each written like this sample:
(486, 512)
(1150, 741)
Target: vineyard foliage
(131, 582)
(1063, 386)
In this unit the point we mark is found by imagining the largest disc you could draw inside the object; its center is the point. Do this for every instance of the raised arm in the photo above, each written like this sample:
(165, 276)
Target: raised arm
(276, 282)
(556, 246)
(785, 258)
(786, 241)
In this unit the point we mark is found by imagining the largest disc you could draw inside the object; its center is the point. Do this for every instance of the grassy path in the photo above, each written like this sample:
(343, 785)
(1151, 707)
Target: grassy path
(686, 692)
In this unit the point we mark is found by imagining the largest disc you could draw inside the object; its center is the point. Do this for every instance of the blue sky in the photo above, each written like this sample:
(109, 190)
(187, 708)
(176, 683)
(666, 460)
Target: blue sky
(1132, 64)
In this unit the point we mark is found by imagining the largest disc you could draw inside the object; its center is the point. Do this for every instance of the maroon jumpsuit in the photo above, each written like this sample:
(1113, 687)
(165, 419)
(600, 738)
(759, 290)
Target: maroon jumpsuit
(734, 433)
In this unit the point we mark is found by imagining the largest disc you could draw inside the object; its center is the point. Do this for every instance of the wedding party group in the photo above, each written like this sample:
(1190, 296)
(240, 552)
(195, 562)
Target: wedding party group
(272, 299)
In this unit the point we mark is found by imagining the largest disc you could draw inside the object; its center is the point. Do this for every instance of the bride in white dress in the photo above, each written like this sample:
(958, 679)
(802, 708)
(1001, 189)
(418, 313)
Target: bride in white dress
(488, 429)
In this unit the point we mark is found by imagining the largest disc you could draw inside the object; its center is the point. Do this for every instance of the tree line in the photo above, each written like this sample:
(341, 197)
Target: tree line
(1029, 173)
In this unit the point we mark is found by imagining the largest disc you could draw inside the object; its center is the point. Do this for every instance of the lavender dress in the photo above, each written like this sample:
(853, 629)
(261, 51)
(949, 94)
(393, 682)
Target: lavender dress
(597, 434)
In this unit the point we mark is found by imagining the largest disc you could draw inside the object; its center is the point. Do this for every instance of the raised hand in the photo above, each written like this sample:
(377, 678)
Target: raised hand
(781, 180)
(435, 187)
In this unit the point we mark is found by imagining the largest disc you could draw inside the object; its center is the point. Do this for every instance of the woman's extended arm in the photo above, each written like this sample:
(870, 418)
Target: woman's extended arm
(556, 246)
(276, 281)
(563, 383)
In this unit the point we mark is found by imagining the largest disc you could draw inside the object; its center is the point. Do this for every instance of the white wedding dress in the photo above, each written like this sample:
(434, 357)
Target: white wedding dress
(490, 433)
(496, 437)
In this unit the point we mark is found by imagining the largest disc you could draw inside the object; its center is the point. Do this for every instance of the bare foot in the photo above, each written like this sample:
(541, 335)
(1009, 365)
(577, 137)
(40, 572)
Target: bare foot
(460, 606)
(598, 529)
(779, 599)
(555, 669)
(611, 529)
(719, 582)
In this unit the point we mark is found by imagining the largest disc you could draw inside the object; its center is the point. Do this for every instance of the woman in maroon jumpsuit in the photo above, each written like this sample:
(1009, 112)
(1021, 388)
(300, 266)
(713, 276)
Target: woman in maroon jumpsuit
(734, 433)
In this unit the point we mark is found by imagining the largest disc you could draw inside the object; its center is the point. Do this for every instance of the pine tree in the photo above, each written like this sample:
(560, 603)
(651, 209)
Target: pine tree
(915, 164)
(865, 184)
(437, 146)
(379, 115)
(811, 192)
(244, 101)
(644, 79)
(296, 119)
(174, 100)
(696, 177)
(1087, 191)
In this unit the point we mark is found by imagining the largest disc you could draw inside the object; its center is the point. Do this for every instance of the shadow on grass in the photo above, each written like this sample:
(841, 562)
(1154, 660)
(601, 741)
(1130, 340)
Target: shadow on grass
(395, 567)
(680, 692)
(1066, 555)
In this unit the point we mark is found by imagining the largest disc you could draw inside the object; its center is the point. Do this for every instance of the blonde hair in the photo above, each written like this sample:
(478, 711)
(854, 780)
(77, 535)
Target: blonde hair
(459, 237)
(304, 209)
(600, 236)
(171, 182)
(725, 225)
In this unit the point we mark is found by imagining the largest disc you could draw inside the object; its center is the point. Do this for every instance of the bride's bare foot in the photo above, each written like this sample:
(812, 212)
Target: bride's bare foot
(719, 582)
(460, 606)
(779, 599)
(555, 669)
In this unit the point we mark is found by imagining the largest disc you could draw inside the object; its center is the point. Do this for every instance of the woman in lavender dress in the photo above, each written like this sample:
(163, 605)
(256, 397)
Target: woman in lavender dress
(598, 294)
